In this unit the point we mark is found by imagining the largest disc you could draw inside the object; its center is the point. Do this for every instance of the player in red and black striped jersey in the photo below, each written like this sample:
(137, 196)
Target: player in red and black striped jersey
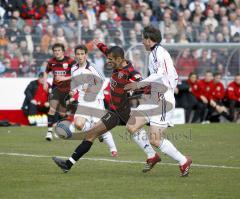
(60, 66)
(123, 73)
(120, 77)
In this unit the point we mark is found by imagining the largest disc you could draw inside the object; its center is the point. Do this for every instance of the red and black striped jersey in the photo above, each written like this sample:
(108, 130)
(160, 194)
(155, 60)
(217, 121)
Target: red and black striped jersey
(103, 48)
(121, 77)
(62, 68)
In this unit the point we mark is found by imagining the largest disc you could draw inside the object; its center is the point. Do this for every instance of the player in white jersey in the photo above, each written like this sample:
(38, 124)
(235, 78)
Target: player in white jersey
(157, 108)
(87, 82)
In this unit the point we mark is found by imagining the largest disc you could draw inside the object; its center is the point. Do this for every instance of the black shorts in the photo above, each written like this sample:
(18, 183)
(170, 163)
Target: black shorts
(114, 118)
(59, 96)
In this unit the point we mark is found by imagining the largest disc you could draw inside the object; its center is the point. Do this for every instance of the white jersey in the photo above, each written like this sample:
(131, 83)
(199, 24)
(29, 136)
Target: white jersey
(87, 77)
(163, 79)
(161, 68)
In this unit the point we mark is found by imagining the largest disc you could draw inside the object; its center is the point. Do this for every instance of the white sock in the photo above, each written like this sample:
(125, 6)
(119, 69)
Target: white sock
(72, 160)
(168, 148)
(141, 138)
(50, 129)
(108, 139)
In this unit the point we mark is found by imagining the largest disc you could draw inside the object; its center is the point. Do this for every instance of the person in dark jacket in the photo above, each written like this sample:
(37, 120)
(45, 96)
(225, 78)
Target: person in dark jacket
(36, 100)
(185, 99)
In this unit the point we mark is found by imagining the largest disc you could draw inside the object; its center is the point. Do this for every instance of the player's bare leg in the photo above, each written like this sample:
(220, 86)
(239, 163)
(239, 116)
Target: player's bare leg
(157, 139)
(135, 127)
(135, 122)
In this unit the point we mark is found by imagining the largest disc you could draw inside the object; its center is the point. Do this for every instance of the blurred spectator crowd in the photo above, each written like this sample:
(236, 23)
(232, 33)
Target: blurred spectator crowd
(28, 29)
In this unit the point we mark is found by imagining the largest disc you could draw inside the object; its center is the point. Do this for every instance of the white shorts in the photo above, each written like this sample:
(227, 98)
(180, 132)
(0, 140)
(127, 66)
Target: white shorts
(92, 111)
(158, 111)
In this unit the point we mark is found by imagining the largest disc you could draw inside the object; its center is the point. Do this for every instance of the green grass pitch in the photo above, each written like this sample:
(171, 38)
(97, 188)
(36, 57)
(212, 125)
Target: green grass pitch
(215, 150)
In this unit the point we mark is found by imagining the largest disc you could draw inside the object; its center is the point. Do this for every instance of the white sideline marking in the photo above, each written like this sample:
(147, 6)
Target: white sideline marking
(117, 161)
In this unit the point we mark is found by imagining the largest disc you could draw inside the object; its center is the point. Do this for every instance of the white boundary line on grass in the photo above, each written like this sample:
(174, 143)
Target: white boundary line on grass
(117, 161)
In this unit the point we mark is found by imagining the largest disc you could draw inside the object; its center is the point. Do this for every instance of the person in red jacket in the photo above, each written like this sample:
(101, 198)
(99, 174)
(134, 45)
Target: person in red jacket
(205, 92)
(36, 100)
(208, 95)
(233, 95)
(218, 88)
(216, 107)
(188, 98)
(206, 87)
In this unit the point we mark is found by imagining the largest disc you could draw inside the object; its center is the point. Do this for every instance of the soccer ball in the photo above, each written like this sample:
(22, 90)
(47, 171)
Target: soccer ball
(62, 129)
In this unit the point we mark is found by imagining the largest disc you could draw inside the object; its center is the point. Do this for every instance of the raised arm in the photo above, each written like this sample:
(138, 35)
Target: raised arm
(101, 46)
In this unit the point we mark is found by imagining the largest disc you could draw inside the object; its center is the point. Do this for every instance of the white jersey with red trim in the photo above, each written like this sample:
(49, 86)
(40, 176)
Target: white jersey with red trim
(161, 68)
(88, 81)
(163, 79)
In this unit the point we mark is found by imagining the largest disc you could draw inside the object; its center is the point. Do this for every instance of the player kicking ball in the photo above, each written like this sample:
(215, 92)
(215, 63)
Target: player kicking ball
(87, 83)
(163, 80)
(122, 74)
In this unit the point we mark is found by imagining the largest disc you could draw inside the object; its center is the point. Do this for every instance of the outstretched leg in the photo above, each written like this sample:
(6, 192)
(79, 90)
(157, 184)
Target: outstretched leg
(106, 123)
(83, 148)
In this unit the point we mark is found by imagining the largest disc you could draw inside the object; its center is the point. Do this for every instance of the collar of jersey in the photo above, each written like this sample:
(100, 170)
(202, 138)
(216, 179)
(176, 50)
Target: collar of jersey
(86, 65)
(155, 45)
(60, 60)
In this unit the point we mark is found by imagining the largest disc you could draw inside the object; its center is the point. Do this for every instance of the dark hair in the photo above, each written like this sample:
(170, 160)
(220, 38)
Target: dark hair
(116, 51)
(66, 5)
(40, 75)
(81, 47)
(208, 71)
(12, 17)
(150, 32)
(58, 45)
(191, 74)
(217, 74)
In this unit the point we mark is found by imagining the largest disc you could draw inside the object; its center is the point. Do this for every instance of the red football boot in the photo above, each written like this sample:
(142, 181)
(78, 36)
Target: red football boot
(151, 162)
(184, 169)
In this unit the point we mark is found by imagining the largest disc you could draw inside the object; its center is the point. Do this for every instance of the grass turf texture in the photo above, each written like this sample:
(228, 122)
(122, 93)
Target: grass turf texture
(39, 177)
